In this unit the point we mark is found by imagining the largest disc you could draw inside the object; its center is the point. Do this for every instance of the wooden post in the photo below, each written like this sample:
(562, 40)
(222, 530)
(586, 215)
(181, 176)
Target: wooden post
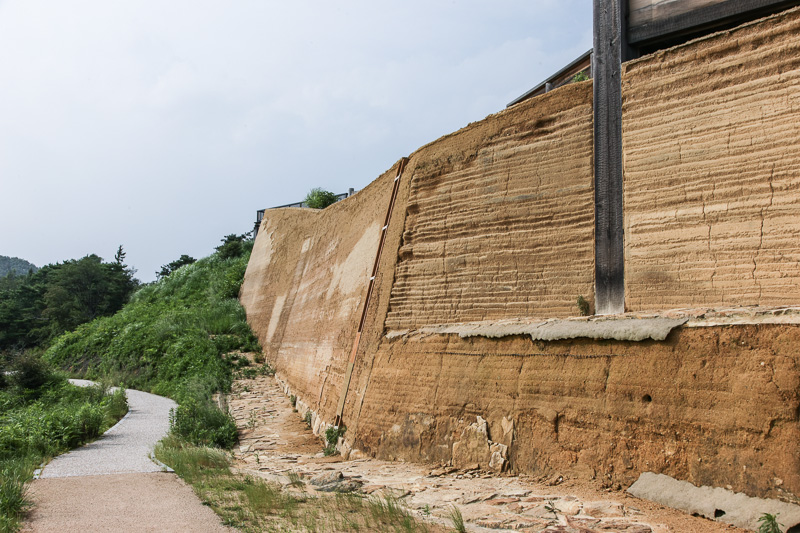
(610, 49)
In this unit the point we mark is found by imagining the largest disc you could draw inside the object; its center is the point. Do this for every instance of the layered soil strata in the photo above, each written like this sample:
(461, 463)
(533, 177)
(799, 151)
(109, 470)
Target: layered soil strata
(500, 218)
(714, 406)
(712, 170)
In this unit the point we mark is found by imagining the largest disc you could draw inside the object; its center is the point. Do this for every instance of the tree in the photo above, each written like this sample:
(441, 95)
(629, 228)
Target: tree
(58, 297)
(85, 289)
(15, 266)
(232, 245)
(169, 268)
(320, 198)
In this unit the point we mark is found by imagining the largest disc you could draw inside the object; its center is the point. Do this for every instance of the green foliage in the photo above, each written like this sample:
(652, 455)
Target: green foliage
(251, 372)
(769, 523)
(202, 423)
(171, 338)
(332, 435)
(15, 266)
(36, 308)
(307, 419)
(29, 375)
(252, 504)
(457, 520)
(13, 492)
(42, 415)
(580, 76)
(191, 462)
(171, 267)
(583, 306)
(318, 198)
(234, 245)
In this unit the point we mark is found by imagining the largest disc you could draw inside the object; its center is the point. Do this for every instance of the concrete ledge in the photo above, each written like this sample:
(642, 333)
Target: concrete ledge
(625, 327)
(622, 329)
(714, 503)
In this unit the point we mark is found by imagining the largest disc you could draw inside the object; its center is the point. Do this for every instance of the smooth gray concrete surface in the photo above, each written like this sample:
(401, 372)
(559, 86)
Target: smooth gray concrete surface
(712, 502)
(621, 329)
(126, 447)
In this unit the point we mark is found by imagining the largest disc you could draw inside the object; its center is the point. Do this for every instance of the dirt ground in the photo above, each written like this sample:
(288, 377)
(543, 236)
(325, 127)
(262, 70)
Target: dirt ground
(274, 442)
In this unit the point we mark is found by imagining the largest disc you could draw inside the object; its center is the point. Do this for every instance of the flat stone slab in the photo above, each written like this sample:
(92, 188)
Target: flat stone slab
(712, 502)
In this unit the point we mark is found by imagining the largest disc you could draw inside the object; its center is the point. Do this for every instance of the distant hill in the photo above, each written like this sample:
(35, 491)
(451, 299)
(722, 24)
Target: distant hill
(20, 266)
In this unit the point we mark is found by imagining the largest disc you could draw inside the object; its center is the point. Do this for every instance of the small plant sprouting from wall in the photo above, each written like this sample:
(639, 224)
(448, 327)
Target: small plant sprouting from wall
(293, 401)
(332, 435)
(580, 76)
(307, 419)
(583, 306)
(769, 523)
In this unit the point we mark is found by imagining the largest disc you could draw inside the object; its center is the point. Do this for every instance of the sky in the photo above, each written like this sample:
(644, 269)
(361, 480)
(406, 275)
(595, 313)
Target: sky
(164, 125)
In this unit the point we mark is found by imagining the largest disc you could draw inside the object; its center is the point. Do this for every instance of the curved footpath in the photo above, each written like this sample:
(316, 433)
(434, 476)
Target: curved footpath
(113, 485)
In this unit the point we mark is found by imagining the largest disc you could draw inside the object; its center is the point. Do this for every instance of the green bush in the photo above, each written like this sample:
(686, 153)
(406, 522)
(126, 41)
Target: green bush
(39, 423)
(204, 424)
(234, 245)
(318, 198)
(332, 435)
(28, 372)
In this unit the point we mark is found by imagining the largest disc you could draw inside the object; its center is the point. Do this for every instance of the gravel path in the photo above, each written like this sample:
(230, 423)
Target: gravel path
(111, 485)
(126, 447)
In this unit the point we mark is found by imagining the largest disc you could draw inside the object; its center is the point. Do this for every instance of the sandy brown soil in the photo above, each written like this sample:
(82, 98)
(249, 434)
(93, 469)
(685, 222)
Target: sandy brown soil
(276, 442)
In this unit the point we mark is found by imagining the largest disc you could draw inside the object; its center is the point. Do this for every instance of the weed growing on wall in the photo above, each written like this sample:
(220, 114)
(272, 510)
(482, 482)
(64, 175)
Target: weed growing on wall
(332, 435)
(583, 306)
(768, 523)
(318, 198)
(580, 76)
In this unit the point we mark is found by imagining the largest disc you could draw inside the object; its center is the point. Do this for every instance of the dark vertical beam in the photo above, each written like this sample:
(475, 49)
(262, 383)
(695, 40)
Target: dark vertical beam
(610, 50)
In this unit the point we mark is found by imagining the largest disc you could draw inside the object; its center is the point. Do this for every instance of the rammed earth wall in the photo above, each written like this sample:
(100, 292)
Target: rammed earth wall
(711, 137)
(495, 224)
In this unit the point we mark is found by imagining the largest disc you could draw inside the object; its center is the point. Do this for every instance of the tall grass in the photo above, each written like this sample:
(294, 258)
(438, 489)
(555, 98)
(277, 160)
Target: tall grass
(42, 415)
(252, 504)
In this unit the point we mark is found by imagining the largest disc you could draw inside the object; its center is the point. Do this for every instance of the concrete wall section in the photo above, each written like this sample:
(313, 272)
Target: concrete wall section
(711, 132)
(305, 285)
(500, 217)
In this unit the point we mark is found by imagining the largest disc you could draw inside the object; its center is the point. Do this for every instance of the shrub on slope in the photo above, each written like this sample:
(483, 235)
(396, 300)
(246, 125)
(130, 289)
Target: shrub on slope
(172, 336)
